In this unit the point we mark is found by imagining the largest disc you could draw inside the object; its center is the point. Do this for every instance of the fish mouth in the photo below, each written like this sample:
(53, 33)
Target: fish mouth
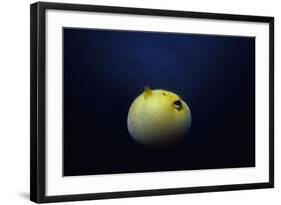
(177, 104)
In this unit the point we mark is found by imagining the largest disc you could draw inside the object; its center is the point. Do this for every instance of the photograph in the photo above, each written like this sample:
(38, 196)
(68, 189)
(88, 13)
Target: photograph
(138, 101)
(133, 102)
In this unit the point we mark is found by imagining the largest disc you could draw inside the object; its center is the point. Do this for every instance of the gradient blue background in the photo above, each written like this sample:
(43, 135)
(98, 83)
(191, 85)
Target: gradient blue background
(105, 70)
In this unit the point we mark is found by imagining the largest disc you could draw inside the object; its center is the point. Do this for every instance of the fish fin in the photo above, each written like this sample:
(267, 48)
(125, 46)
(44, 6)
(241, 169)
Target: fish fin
(147, 92)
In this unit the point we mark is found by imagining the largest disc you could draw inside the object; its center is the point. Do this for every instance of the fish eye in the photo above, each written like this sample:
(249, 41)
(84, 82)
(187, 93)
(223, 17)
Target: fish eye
(178, 104)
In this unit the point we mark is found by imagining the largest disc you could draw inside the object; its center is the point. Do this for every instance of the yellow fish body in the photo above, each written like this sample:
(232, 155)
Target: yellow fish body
(158, 118)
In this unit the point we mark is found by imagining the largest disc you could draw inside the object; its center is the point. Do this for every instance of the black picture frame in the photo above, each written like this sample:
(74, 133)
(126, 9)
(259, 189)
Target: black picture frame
(38, 101)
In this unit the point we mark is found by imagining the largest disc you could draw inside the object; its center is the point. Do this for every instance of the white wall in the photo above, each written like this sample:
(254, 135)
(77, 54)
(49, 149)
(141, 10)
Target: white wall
(14, 100)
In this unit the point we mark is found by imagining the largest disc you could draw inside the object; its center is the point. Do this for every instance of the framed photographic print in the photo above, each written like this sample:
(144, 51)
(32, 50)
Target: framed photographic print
(129, 102)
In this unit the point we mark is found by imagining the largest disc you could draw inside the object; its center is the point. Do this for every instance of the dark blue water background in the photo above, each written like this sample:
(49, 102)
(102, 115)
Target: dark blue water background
(105, 70)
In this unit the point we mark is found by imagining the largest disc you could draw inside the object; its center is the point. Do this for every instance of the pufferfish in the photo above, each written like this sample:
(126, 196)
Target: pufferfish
(158, 118)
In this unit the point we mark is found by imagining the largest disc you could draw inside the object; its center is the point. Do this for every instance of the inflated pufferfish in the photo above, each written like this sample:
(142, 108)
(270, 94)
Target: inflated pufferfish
(158, 118)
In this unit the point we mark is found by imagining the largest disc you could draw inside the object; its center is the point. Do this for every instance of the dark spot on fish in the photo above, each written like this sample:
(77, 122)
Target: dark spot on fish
(164, 94)
(178, 105)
